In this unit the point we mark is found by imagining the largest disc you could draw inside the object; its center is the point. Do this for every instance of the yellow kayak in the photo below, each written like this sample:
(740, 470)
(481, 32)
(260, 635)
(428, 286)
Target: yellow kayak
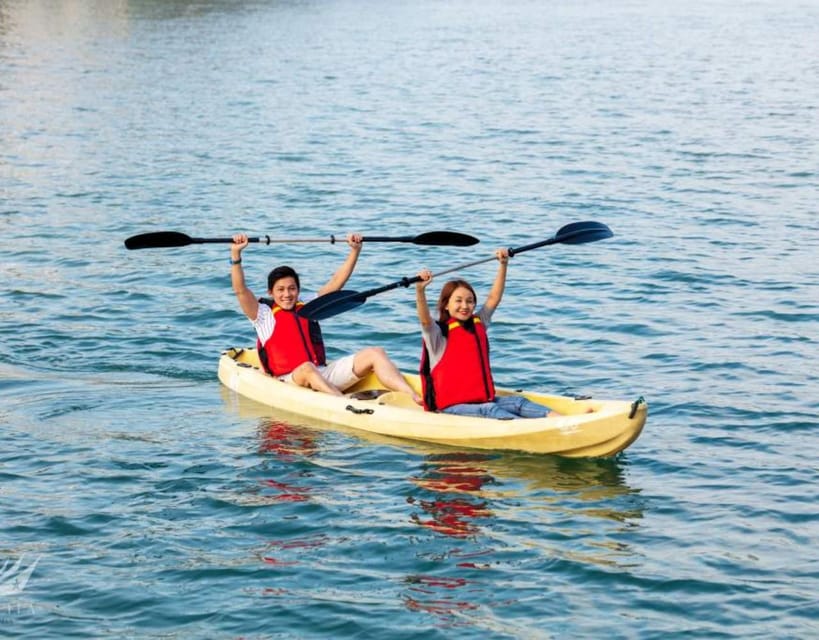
(586, 427)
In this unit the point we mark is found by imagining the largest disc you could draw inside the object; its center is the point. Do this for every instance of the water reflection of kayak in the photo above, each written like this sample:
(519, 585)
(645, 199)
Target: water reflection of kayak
(586, 428)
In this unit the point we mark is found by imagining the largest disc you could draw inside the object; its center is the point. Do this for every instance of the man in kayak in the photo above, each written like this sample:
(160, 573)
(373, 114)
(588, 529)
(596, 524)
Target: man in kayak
(456, 374)
(291, 347)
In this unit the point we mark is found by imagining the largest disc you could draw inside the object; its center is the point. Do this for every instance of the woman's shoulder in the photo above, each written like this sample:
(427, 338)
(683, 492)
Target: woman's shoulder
(485, 315)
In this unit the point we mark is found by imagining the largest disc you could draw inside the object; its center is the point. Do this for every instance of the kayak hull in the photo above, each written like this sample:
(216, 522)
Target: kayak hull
(586, 428)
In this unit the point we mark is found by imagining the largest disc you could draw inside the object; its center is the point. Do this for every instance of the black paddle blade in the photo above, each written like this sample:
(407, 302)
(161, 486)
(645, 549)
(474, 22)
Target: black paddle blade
(158, 239)
(445, 239)
(331, 304)
(580, 232)
(574, 233)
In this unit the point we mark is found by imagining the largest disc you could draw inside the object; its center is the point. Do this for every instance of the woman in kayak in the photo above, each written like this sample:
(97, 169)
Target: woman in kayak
(455, 371)
(290, 347)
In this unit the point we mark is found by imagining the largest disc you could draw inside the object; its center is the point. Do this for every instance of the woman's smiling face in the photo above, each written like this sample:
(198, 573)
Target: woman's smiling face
(461, 304)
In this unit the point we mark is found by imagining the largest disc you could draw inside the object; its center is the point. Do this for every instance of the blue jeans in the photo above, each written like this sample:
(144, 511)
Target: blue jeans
(503, 408)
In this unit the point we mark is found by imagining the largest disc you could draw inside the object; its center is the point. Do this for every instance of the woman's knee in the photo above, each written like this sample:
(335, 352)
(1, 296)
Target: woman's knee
(481, 410)
(522, 407)
(492, 410)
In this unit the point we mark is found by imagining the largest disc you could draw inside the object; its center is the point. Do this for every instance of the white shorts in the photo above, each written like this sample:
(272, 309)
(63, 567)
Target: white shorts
(338, 373)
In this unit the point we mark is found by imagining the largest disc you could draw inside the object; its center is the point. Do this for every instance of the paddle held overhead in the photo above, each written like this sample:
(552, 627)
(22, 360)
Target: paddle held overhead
(161, 239)
(337, 302)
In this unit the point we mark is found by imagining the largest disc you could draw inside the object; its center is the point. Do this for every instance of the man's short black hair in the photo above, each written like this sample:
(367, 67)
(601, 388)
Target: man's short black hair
(282, 272)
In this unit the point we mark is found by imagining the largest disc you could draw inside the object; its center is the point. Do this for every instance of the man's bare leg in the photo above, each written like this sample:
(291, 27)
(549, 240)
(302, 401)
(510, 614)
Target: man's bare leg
(306, 375)
(375, 359)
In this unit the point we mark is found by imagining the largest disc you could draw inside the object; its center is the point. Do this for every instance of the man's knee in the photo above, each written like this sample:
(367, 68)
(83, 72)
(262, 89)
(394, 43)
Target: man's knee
(371, 354)
(302, 373)
(367, 359)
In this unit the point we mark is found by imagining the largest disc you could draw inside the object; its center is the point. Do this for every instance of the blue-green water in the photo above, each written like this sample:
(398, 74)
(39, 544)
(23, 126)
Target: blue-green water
(152, 503)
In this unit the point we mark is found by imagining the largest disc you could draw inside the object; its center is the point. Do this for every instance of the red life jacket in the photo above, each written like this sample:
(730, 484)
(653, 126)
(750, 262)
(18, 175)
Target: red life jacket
(463, 373)
(294, 340)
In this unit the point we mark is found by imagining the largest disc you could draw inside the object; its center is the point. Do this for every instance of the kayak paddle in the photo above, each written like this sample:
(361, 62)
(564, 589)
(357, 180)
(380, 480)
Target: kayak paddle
(336, 302)
(160, 239)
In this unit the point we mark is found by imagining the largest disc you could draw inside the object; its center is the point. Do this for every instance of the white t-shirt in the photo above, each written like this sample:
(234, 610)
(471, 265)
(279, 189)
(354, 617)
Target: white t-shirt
(264, 322)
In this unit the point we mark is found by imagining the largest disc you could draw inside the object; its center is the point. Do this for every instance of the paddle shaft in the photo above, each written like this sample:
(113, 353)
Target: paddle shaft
(266, 240)
(406, 282)
(332, 239)
(431, 238)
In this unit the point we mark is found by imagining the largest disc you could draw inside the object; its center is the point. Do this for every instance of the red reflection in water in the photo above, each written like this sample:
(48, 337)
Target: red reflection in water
(286, 440)
(451, 517)
(454, 509)
(437, 581)
(439, 607)
(290, 444)
(278, 563)
(277, 548)
(422, 586)
(289, 492)
(454, 473)
(301, 543)
(472, 565)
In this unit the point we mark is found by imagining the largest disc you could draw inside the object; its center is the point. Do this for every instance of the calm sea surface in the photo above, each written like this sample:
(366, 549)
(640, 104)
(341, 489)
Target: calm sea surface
(139, 498)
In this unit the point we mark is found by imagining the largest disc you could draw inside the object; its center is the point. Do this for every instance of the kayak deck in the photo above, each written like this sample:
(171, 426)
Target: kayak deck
(585, 428)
